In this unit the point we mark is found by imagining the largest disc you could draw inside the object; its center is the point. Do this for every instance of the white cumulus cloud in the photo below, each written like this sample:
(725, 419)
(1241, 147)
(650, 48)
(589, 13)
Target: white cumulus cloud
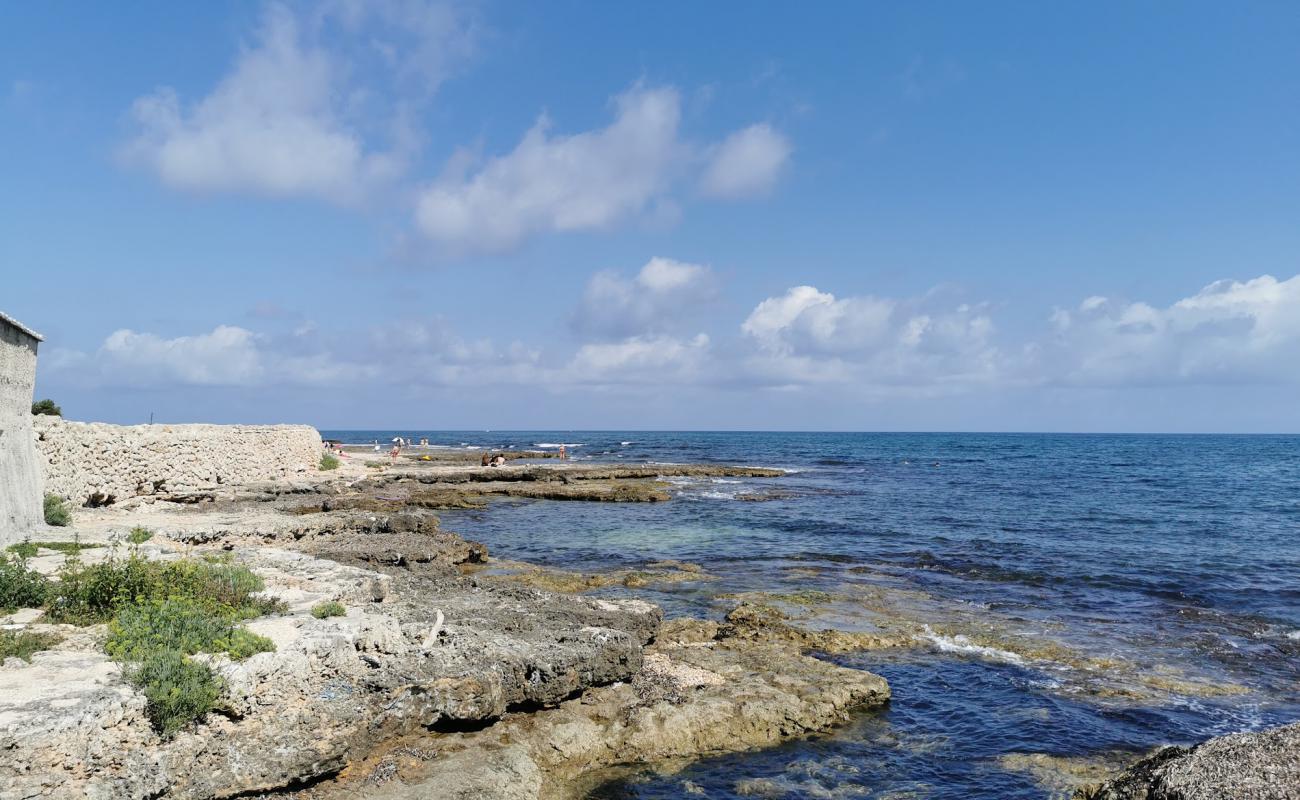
(228, 355)
(1228, 331)
(746, 163)
(807, 336)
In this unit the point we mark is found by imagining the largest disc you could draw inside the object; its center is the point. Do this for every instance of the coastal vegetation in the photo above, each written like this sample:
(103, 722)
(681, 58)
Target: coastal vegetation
(20, 586)
(56, 511)
(159, 614)
(21, 644)
(29, 549)
(48, 407)
(327, 609)
(86, 594)
(177, 689)
(328, 462)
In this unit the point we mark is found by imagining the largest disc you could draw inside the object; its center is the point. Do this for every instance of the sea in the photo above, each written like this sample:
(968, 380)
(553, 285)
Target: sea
(1074, 600)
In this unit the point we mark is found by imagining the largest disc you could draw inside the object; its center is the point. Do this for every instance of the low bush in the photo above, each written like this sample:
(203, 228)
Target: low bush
(23, 549)
(157, 637)
(139, 535)
(93, 593)
(20, 587)
(46, 406)
(329, 461)
(23, 643)
(177, 689)
(180, 624)
(329, 608)
(56, 512)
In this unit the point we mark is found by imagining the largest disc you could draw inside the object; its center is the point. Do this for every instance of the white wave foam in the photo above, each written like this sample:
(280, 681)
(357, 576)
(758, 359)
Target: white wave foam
(1295, 635)
(625, 444)
(556, 445)
(963, 645)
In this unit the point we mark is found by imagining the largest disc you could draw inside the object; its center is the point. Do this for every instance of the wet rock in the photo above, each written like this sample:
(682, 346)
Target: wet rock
(764, 623)
(690, 699)
(1245, 766)
(570, 582)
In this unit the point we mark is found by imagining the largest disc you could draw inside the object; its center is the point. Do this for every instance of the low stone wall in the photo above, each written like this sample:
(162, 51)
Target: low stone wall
(93, 462)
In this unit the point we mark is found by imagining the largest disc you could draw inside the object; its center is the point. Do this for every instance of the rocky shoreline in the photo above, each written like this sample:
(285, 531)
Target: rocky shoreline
(447, 673)
(429, 657)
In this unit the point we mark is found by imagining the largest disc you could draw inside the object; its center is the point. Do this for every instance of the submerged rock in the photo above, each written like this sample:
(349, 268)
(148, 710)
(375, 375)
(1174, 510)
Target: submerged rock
(1244, 766)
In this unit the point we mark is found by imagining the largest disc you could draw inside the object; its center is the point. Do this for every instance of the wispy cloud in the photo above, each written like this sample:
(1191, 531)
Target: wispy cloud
(654, 300)
(286, 120)
(746, 163)
(590, 180)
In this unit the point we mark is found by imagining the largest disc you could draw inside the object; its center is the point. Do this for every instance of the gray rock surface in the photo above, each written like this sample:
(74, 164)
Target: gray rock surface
(1243, 766)
(426, 654)
(696, 695)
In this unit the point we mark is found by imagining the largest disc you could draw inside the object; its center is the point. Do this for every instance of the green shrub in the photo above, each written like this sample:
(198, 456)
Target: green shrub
(46, 406)
(23, 643)
(329, 608)
(139, 535)
(157, 636)
(177, 690)
(329, 461)
(164, 612)
(20, 587)
(23, 549)
(244, 643)
(180, 624)
(56, 513)
(93, 593)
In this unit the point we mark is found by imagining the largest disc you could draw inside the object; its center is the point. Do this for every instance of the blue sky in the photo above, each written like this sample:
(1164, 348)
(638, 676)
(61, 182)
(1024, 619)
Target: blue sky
(1012, 216)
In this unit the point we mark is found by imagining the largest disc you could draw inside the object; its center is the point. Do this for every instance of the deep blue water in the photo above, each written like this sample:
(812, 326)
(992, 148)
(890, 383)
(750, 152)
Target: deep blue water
(1071, 594)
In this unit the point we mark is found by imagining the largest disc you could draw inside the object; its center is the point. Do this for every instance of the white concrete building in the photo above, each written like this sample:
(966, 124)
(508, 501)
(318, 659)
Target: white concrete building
(20, 474)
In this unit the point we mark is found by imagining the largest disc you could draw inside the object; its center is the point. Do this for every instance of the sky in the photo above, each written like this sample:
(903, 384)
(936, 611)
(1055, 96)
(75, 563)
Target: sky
(831, 216)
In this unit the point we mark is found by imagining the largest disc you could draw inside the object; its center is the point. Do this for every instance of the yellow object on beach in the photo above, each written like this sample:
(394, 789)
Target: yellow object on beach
(425, 458)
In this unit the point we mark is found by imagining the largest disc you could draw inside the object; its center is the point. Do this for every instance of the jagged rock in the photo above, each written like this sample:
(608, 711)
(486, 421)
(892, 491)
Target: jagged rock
(1243, 766)
(692, 698)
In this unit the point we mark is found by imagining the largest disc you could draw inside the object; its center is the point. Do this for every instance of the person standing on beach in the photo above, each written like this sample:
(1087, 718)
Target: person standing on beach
(564, 453)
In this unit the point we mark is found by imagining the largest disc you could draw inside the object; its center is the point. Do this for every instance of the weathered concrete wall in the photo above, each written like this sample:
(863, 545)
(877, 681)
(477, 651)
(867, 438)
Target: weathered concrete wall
(20, 477)
(81, 460)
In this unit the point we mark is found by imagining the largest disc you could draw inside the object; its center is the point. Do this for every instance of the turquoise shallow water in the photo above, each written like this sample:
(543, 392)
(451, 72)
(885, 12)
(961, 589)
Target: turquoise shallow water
(1072, 595)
